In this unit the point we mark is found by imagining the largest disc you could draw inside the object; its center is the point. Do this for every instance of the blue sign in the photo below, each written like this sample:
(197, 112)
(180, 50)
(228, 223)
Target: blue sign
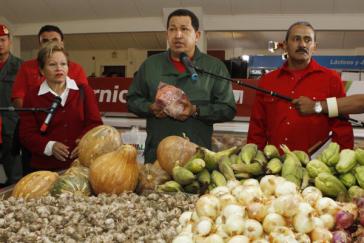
(332, 62)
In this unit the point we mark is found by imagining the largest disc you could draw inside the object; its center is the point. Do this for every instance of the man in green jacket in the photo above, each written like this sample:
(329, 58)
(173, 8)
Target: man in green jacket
(211, 100)
(9, 66)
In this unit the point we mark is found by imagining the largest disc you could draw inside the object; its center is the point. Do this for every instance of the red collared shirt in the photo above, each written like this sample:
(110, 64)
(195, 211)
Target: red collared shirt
(275, 121)
(28, 77)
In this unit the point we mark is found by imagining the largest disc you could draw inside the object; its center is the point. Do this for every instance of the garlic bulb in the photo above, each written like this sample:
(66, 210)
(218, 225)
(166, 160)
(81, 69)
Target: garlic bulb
(253, 229)
(239, 239)
(305, 208)
(185, 218)
(271, 221)
(208, 205)
(234, 225)
(311, 195)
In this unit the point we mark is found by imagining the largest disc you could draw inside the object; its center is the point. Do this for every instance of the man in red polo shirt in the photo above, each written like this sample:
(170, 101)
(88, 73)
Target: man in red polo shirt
(276, 121)
(29, 75)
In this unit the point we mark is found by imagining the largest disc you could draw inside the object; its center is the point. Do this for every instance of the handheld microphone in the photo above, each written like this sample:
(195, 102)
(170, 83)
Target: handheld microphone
(189, 66)
(55, 104)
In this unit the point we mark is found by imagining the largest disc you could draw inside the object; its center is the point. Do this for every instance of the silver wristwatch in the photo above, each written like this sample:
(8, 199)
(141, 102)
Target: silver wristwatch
(318, 107)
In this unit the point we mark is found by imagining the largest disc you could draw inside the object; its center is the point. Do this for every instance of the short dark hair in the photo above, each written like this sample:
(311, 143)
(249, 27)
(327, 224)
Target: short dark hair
(50, 28)
(47, 50)
(185, 12)
(304, 23)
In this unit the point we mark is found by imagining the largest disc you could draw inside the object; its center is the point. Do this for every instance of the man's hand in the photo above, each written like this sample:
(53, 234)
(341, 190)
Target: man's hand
(304, 105)
(157, 111)
(60, 151)
(188, 110)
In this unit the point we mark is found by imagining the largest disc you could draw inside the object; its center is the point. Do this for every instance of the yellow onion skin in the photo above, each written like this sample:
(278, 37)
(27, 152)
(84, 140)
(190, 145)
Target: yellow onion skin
(115, 172)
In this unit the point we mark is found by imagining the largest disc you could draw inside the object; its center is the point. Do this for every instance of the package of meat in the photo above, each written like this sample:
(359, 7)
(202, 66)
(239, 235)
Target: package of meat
(171, 99)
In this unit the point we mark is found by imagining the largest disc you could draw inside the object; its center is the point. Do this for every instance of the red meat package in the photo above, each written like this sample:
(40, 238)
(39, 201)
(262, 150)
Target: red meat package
(171, 99)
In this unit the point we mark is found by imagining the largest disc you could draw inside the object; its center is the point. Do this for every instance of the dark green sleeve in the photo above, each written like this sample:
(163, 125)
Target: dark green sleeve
(138, 94)
(222, 106)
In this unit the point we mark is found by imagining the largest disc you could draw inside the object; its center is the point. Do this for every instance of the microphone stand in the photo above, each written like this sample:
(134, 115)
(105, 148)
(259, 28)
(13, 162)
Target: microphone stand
(12, 109)
(269, 92)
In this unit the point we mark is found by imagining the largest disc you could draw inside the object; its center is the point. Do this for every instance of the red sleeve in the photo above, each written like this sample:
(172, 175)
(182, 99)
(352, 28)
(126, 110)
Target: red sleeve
(92, 113)
(29, 133)
(342, 130)
(77, 73)
(20, 83)
(256, 132)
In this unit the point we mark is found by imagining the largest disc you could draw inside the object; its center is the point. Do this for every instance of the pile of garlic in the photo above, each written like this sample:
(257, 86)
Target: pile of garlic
(272, 210)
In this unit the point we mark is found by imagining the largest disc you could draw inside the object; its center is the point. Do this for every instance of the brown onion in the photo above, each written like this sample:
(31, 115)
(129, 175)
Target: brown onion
(172, 149)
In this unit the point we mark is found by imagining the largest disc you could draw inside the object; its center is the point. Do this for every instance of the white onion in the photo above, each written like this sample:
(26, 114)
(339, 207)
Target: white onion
(234, 225)
(303, 238)
(253, 229)
(183, 239)
(305, 208)
(219, 191)
(317, 222)
(251, 182)
(303, 223)
(326, 205)
(286, 205)
(282, 234)
(204, 226)
(257, 211)
(271, 221)
(221, 231)
(185, 218)
(237, 190)
(232, 184)
(286, 187)
(227, 199)
(208, 205)
(239, 239)
(269, 183)
(260, 241)
(219, 220)
(233, 210)
(321, 235)
(311, 195)
(214, 238)
(249, 195)
(184, 229)
(328, 221)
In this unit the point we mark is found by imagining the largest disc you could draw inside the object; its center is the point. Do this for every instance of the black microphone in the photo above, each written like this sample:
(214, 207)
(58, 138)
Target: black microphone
(189, 66)
(57, 101)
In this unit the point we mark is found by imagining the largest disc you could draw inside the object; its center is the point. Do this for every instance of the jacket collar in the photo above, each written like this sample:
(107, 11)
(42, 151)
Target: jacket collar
(70, 85)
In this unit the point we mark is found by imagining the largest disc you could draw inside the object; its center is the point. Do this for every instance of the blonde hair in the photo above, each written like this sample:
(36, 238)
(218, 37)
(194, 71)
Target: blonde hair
(47, 50)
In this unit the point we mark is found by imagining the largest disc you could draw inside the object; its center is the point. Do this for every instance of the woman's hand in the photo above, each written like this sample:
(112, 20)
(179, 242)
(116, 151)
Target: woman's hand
(60, 151)
(74, 153)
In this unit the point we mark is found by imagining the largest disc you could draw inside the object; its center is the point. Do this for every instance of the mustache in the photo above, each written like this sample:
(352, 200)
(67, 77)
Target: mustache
(301, 49)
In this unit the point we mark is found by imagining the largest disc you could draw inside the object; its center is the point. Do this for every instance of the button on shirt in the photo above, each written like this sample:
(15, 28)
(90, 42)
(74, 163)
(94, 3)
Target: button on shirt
(44, 89)
(275, 121)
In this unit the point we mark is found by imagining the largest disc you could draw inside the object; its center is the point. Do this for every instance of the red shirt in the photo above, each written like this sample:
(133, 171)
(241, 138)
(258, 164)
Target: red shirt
(28, 76)
(68, 123)
(275, 121)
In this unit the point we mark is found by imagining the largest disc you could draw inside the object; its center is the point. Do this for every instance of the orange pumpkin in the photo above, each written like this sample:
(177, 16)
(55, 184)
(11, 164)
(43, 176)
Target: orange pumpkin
(35, 185)
(98, 141)
(172, 149)
(115, 172)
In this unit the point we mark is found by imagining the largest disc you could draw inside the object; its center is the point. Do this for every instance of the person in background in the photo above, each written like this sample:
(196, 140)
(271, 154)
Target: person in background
(77, 113)
(210, 100)
(28, 75)
(9, 65)
(353, 104)
(275, 121)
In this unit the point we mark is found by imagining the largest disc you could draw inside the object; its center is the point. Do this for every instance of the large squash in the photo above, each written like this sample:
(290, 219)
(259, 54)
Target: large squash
(98, 141)
(73, 184)
(115, 172)
(35, 185)
(172, 149)
(79, 171)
